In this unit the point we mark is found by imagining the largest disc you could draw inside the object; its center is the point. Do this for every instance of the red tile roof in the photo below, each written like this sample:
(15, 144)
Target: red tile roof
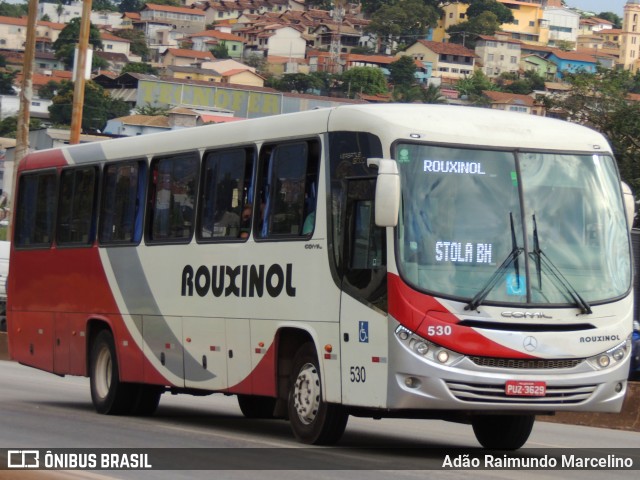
(447, 48)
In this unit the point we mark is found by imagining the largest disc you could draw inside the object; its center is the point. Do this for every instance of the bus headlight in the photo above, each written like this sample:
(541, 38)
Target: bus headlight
(426, 349)
(611, 357)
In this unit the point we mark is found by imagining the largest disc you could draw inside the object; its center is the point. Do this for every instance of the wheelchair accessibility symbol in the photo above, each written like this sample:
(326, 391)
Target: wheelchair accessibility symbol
(363, 332)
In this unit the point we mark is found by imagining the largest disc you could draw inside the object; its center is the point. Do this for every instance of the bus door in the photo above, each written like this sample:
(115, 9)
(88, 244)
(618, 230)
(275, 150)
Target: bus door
(363, 317)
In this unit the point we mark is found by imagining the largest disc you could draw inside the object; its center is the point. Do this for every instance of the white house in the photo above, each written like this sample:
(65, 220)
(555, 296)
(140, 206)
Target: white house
(564, 24)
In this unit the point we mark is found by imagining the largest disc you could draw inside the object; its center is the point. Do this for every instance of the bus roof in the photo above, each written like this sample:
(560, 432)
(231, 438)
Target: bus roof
(432, 123)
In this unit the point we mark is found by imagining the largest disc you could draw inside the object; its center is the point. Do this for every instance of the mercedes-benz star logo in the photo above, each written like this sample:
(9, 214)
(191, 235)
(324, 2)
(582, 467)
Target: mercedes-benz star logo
(530, 344)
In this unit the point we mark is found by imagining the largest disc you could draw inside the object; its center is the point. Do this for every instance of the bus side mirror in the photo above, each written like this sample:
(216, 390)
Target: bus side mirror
(629, 203)
(387, 191)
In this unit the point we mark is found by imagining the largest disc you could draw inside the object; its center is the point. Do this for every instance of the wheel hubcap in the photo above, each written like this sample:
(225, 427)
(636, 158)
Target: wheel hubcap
(103, 373)
(306, 393)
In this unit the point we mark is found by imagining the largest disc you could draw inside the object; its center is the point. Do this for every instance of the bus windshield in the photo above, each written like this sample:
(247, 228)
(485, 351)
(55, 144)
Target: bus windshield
(512, 228)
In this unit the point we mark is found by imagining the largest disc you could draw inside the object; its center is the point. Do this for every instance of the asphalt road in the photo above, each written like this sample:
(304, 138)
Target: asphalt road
(40, 410)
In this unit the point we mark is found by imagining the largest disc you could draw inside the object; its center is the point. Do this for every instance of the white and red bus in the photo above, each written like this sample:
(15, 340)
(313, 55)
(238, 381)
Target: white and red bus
(405, 261)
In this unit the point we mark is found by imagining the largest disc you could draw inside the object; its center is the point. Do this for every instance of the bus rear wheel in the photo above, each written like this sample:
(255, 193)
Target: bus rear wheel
(502, 432)
(109, 395)
(313, 420)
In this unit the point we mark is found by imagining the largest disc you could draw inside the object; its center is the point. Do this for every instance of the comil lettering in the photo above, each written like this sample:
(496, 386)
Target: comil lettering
(238, 281)
(447, 166)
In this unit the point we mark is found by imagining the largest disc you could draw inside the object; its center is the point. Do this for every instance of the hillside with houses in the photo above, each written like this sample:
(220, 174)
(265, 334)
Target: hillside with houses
(195, 62)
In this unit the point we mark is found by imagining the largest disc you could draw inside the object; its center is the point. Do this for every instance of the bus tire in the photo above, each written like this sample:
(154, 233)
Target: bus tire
(256, 406)
(312, 420)
(109, 395)
(502, 432)
(147, 398)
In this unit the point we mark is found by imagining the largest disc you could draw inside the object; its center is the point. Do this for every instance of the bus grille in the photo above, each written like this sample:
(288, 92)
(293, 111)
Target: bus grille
(482, 393)
(525, 364)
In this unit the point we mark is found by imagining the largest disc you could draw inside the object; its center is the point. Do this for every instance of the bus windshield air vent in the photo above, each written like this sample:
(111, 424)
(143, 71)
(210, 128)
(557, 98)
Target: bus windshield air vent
(527, 327)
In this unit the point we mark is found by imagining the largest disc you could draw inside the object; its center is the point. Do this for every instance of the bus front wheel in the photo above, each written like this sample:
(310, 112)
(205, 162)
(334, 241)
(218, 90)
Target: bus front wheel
(109, 395)
(502, 432)
(313, 420)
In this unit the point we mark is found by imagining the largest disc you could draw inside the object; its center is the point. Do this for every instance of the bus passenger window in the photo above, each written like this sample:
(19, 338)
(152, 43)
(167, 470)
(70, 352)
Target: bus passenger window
(225, 208)
(76, 211)
(172, 196)
(36, 211)
(121, 215)
(288, 190)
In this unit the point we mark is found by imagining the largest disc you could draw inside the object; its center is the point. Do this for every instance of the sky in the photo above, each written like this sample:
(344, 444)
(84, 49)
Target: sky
(597, 6)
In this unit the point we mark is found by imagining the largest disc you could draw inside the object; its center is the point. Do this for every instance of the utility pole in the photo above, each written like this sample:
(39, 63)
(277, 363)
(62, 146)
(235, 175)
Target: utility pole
(26, 94)
(81, 67)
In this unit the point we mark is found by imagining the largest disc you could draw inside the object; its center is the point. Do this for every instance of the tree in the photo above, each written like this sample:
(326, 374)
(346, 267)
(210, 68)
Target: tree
(49, 90)
(256, 61)
(473, 86)
(403, 71)
(103, 5)
(433, 94)
(220, 51)
(7, 77)
(402, 22)
(298, 82)
(600, 101)
(9, 126)
(478, 7)
(367, 80)
(612, 17)
(139, 67)
(13, 10)
(138, 41)
(64, 46)
(131, 5)
(98, 106)
(152, 110)
(466, 33)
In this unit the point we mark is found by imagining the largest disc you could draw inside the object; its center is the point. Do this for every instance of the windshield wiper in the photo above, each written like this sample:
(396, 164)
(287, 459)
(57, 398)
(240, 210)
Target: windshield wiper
(493, 280)
(541, 259)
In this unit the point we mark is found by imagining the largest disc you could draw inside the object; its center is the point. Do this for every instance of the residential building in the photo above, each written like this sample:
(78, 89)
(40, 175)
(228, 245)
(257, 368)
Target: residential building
(573, 62)
(453, 13)
(279, 66)
(529, 23)
(592, 25)
(450, 61)
(539, 64)
(181, 19)
(206, 40)
(563, 24)
(278, 40)
(512, 102)
(185, 58)
(630, 37)
(13, 33)
(498, 54)
(61, 13)
(114, 44)
(193, 73)
(47, 62)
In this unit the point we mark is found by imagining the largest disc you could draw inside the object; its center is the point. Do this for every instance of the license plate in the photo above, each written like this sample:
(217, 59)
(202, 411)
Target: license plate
(519, 388)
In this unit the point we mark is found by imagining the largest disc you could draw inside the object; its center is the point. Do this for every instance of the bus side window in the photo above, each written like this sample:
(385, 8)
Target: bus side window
(122, 193)
(288, 190)
(225, 195)
(76, 210)
(36, 212)
(172, 198)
